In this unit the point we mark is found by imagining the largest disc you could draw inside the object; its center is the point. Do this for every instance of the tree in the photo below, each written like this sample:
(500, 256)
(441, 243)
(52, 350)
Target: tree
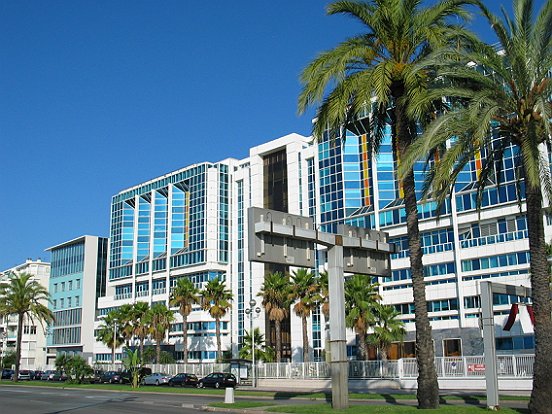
(76, 368)
(24, 297)
(216, 300)
(141, 323)
(387, 64)
(125, 322)
(184, 295)
(132, 364)
(501, 110)
(109, 334)
(360, 303)
(161, 318)
(387, 329)
(275, 292)
(262, 352)
(305, 293)
(324, 293)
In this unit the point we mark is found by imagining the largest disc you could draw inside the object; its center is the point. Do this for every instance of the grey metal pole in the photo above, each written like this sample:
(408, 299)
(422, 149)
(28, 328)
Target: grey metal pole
(338, 343)
(489, 346)
(253, 349)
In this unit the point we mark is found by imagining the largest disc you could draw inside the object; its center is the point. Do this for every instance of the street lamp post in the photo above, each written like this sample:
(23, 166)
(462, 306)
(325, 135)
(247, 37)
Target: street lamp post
(251, 311)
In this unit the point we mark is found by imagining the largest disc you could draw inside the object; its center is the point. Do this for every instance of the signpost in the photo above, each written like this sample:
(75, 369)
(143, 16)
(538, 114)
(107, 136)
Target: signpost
(282, 238)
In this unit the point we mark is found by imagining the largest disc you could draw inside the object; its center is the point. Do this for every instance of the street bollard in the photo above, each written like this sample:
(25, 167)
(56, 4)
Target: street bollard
(229, 396)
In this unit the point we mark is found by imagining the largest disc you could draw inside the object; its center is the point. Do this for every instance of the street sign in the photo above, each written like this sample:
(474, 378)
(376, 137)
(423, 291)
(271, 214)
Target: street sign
(281, 238)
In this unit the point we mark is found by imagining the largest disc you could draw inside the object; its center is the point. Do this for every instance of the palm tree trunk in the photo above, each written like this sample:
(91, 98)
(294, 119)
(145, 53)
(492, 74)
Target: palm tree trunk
(305, 339)
(278, 341)
(219, 345)
(542, 306)
(363, 345)
(428, 387)
(185, 337)
(158, 350)
(142, 339)
(18, 346)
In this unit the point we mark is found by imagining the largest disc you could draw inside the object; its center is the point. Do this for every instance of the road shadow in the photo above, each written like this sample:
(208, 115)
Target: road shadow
(287, 395)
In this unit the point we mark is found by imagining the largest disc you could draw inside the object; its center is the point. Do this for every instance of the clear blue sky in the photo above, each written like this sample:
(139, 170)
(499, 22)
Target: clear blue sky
(97, 96)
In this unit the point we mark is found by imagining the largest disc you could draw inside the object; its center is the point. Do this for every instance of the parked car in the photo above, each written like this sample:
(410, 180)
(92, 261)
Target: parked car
(24, 375)
(38, 375)
(51, 375)
(183, 379)
(218, 380)
(7, 373)
(143, 372)
(111, 377)
(157, 378)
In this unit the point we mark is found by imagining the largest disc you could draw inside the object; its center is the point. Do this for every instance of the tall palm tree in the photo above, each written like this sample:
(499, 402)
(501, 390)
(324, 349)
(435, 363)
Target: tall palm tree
(506, 109)
(386, 64)
(109, 333)
(216, 300)
(25, 298)
(276, 302)
(305, 293)
(141, 323)
(125, 322)
(324, 293)
(387, 329)
(160, 320)
(183, 296)
(360, 302)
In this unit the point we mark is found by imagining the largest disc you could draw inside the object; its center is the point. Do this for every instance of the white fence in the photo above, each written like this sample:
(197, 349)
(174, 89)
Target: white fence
(519, 366)
(511, 366)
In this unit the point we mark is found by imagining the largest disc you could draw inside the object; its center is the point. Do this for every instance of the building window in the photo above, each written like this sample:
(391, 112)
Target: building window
(452, 347)
(55, 287)
(77, 300)
(63, 286)
(78, 283)
(69, 302)
(70, 285)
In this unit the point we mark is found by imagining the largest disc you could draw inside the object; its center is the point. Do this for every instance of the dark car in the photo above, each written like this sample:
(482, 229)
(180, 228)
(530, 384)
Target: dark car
(127, 375)
(111, 377)
(51, 375)
(218, 380)
(7, 373)
(183, 379)
(38, 375)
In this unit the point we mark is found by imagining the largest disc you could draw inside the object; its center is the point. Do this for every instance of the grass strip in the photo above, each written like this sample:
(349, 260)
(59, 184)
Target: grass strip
(242, 404)
(384, 409)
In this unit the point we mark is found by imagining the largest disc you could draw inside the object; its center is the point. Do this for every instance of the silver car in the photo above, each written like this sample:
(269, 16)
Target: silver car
(157, 378)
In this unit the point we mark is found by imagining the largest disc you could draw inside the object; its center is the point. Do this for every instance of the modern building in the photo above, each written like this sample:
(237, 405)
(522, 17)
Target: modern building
(193, 223)
(78, 278)
(177, 225)
(33, 343)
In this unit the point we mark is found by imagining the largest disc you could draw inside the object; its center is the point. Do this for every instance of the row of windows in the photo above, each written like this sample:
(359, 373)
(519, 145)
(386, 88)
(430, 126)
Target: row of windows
(510, 259)
(67, 302)
(198, 326)
(60, 287)
(66, 336)
(68, 317)
(67, 260)
(429, 270)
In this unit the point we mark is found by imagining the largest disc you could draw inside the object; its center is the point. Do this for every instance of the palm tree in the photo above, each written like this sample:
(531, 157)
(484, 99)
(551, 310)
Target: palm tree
(387, 329)
(24, 297)
(125, 322)
(184, 295)
(386, 64)
(324, 293)
(275, 293)
(506, 109)
(360, 302)
(141, 323)
(216, 300)
(262, 352)
(160, 322)
(109, 333)
(306, 294)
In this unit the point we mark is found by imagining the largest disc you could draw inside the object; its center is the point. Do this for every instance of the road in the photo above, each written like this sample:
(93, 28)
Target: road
(36, 400)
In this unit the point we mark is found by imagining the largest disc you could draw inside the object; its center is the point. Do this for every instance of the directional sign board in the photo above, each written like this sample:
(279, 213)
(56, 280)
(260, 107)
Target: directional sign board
(371, 256)
(281, 238)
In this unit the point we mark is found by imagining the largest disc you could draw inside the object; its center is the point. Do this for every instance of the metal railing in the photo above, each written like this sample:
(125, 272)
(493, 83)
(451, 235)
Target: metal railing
(511, 366)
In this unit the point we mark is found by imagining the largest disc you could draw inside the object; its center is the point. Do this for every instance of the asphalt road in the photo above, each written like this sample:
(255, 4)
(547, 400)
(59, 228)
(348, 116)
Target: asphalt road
(35, 400)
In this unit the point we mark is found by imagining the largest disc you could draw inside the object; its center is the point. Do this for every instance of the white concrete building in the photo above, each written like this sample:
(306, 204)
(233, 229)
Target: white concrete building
(33, 344)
